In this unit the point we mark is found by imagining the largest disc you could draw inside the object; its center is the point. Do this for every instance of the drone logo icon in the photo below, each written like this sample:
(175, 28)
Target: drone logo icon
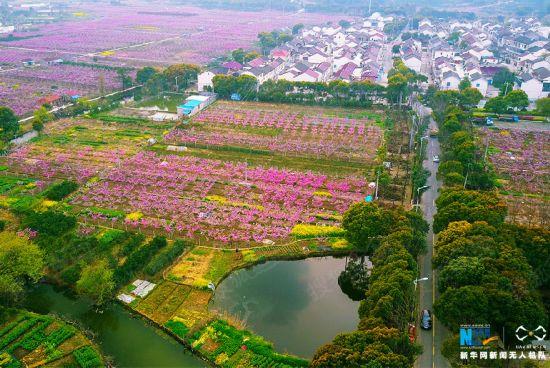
(538, 333)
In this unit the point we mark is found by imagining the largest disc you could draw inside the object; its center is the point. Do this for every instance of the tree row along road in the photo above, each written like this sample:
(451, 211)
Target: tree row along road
(431, 340)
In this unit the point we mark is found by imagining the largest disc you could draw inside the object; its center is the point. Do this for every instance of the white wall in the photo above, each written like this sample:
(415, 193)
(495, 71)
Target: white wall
(413, 64)
(205, 80)
(450, 83)
(481, 85)
(533, 88)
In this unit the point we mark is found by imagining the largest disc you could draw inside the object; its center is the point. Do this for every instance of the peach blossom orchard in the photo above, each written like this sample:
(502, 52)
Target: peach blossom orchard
(126, 184)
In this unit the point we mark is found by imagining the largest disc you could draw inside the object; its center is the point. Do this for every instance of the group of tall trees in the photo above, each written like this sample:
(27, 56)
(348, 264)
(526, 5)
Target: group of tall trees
(270, 40)
(9, 124)
(393, 238)
(508, 98)
(334, 93)
(513, 101)
(243, 57)
(402, 81)
(489, 271)
(176, 78)
(21, 263)
(463, 163)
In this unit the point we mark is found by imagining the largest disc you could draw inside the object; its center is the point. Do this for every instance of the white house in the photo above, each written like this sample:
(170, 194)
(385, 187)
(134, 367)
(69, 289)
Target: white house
(480, 82)
(443, 51)
(480, 53)
(413, 62)
(261, 73)
(204, 80)
(308, 76)
(450, 80)
(325, 71)
(534, 87)
(317, 57)
(339, 39)
(341, 61)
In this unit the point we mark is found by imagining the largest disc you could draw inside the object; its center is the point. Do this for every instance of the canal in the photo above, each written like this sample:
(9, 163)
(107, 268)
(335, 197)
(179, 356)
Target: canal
(128, 339)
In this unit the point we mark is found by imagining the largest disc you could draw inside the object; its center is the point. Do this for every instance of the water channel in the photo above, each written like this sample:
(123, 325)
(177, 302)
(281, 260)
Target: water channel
(128, 339)
(297, 305)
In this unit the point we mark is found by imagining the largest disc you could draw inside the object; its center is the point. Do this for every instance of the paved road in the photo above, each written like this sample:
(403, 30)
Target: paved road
(430, 340)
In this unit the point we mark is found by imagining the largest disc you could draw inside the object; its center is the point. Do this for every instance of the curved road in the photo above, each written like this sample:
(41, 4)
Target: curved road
(430, 340)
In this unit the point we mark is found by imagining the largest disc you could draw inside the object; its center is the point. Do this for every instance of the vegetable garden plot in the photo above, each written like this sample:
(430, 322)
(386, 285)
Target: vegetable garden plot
(34, 340)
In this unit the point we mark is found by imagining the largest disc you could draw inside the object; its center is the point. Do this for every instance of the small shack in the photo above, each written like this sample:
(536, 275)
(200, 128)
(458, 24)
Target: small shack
(195, 103)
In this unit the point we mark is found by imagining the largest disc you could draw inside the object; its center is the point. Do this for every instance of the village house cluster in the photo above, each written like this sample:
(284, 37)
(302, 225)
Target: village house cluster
(478, 50)
(351, 52)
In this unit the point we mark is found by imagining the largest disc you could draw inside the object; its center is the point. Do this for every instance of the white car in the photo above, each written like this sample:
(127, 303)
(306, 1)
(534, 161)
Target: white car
(436, 158)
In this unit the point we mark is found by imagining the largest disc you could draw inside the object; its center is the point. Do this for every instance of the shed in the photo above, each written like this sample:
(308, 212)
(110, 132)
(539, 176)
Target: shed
(188, 108)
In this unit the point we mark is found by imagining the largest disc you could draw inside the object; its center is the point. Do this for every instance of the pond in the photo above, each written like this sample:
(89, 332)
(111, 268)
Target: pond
(297, 305)
(128, 339)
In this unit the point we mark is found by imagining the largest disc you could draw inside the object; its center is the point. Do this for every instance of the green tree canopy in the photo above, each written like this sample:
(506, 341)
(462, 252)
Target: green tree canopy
(180, 75)
(144, 74)
(468, 205)
(9, 124)
(40, 117)
(21, 262)
(97, 282)
(503, 76)
(344, 23)
(464, 305)
(470, 97)
(296, 28)
(461, 271)
(238, 55)
(497, 105)
(517, 100)
(543, 106)
(464, 83)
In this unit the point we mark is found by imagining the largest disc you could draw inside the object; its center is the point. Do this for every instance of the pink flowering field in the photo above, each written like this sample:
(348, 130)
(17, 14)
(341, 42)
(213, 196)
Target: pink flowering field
(520, 157)
(133, 35)
(21, 89)
(196, 194)
(165, 33)
(288, 132)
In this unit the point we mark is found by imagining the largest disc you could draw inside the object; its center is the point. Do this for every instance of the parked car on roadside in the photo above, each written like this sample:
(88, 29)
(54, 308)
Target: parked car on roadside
(426, 319)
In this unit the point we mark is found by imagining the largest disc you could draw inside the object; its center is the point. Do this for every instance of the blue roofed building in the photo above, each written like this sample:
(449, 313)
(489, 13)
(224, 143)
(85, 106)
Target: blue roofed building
(194, 104)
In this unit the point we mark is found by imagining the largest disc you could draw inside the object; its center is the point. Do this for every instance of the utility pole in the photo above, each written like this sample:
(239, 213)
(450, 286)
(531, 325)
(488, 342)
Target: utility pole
(377, 177)
(370, 4)
(411, 138)
(466, 178)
